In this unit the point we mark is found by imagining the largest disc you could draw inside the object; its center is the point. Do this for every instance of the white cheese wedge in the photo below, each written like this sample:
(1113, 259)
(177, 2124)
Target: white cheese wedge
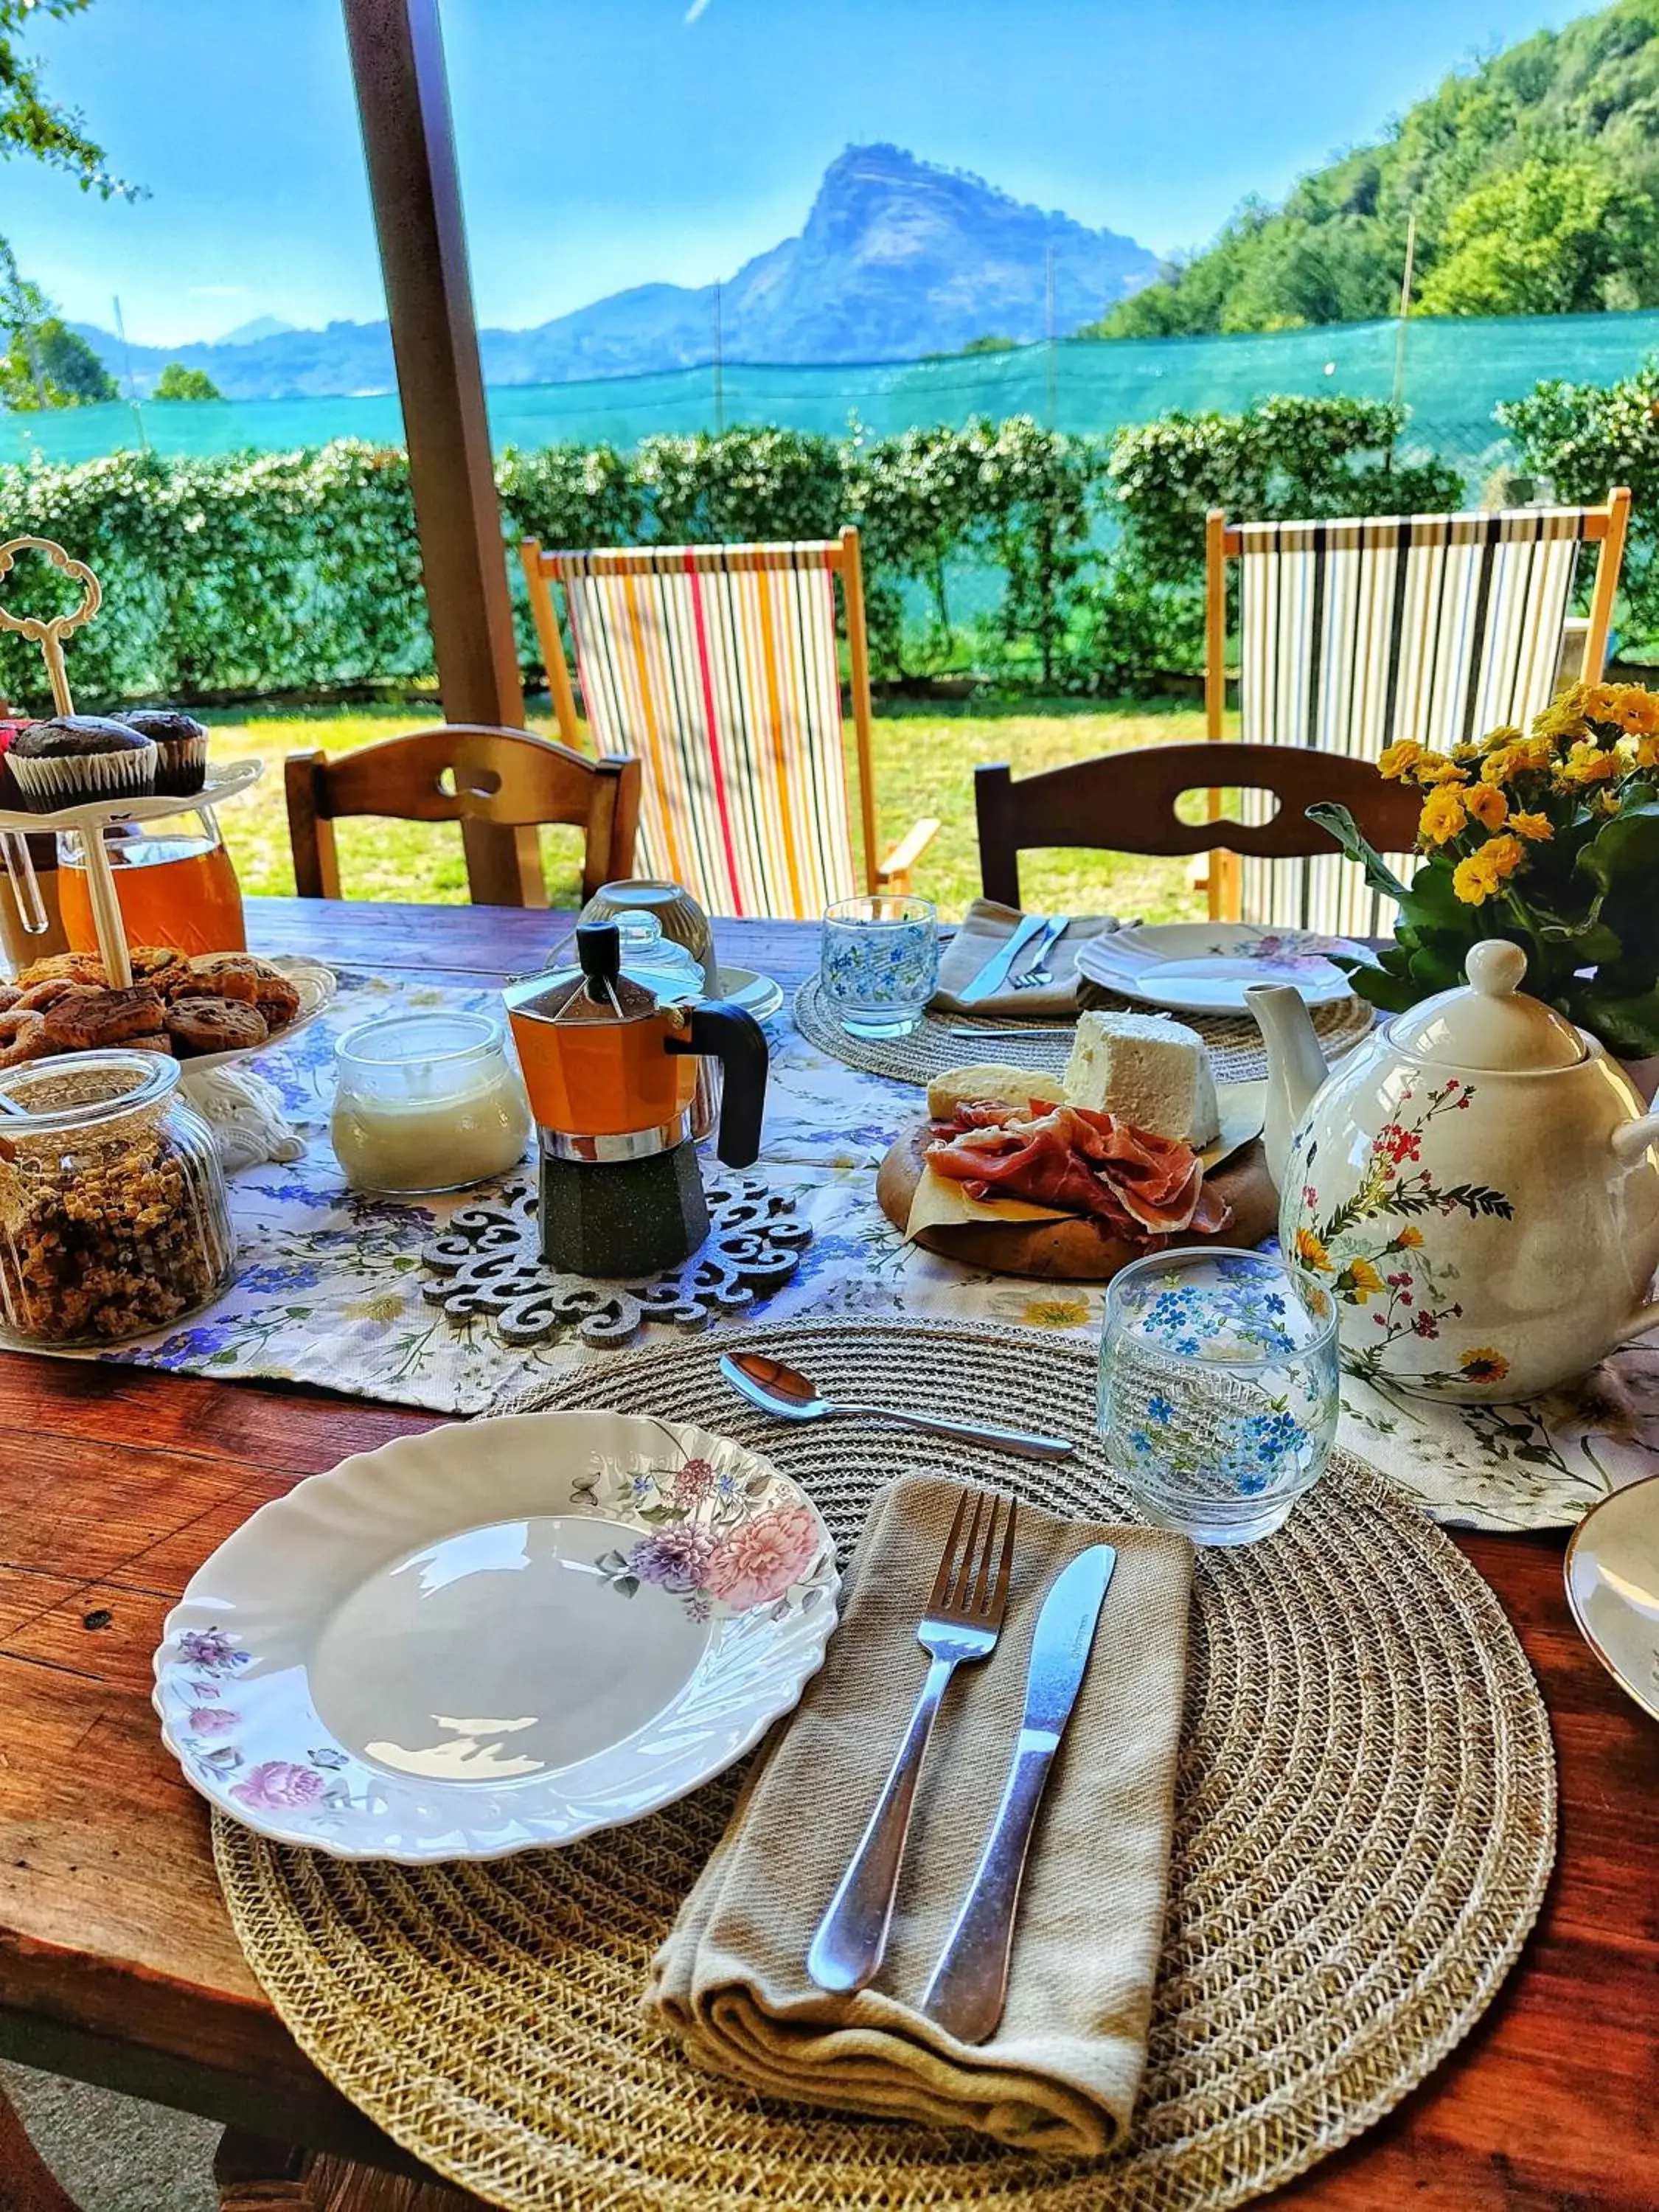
(994, 1085)
(1147, 1070)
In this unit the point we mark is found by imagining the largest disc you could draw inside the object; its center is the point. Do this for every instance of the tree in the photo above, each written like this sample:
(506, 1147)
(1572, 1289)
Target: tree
(177, 382)
(49, 365)
(1530, 176)
(45, 365)
(32, 125)
(1550, 238)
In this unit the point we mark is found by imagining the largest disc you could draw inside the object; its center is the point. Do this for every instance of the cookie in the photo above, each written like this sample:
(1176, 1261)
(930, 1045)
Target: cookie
(154, 963)
(278, 1001)
(198, 1026)
(21, 1037)
(218, 976)
(39, 996)
(65, 967)
(93, 1021)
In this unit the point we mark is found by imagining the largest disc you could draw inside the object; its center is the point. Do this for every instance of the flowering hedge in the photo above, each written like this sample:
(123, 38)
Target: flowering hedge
(1032, 557)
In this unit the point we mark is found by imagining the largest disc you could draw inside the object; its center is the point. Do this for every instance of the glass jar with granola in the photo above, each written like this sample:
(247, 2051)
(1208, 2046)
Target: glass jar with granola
(113, 1220)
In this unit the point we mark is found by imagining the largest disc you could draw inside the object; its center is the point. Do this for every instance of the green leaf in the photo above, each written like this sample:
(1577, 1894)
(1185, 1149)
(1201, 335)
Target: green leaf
(1430, 902)
(1626, 848)
(1339, 824)
(1628, 1026)
(1392, 993)
(1432, 969)
(1589, 944)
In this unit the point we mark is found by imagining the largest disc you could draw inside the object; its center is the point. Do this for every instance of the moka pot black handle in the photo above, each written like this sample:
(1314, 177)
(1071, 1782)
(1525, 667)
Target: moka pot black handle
(736, 1039)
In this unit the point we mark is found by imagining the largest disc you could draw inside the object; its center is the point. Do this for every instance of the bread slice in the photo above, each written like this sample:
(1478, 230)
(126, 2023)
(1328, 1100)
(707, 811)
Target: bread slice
(1146, 1070)
(989, 1085)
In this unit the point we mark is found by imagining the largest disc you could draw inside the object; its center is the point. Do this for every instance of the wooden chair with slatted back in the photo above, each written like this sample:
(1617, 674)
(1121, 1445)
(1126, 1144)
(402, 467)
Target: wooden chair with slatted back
(1354, 633)
(1126, 802)
(464, 772)
(719, 666)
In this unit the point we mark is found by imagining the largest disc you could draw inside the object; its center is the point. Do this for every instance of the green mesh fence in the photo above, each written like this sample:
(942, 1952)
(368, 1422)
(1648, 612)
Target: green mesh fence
(1455, 373)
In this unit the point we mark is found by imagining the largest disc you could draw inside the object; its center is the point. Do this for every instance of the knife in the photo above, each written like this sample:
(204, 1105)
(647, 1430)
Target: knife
(992, 976)
(970, 1982)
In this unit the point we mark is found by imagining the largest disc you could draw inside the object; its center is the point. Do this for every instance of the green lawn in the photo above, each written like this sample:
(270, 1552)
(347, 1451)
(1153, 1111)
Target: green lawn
(924, 759)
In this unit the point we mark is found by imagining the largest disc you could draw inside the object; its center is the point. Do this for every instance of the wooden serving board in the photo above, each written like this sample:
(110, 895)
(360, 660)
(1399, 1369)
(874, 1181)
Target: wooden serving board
(1071, 1250)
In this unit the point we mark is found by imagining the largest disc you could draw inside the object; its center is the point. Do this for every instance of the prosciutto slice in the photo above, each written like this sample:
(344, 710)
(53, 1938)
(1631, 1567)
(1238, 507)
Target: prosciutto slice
(1142, 1187)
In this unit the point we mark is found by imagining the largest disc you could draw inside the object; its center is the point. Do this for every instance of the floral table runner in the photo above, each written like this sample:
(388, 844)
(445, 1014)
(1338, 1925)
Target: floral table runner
(332, 1292)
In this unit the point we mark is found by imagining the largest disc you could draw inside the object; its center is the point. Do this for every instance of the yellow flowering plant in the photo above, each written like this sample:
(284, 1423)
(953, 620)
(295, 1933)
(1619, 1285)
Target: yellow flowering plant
(1549, 838)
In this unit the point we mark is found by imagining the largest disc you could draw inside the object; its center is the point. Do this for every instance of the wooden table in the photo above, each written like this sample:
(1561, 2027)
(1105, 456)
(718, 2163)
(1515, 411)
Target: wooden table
(117, 1961)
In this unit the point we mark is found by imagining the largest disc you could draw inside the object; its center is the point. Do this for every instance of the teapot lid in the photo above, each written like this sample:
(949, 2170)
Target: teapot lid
(1490, 1023)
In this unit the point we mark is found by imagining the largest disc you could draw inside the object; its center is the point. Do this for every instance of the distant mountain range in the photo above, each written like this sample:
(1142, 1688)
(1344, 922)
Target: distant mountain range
(898, 258)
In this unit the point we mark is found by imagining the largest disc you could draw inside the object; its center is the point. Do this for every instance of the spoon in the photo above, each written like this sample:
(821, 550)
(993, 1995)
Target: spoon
(790, 1395)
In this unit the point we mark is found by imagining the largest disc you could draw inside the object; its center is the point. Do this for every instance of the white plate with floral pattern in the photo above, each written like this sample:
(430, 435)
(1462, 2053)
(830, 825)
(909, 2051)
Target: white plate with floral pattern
(1612, 1587)
(495, 1636)
(1206, 967)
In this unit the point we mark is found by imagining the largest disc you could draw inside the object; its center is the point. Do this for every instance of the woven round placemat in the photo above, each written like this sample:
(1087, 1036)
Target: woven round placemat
(1365, 1827)
(1233, 1041)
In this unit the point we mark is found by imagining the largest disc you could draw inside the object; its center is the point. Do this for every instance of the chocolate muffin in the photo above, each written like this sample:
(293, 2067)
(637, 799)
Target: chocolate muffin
(182, 766)
(74, 758)
(11, 797)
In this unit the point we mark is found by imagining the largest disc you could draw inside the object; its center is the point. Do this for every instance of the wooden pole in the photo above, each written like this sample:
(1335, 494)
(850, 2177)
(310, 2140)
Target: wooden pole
(1222, 865)
(403, 103)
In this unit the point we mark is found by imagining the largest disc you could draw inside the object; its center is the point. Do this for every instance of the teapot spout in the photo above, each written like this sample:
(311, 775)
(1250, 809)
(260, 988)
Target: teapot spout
(1296, 1066)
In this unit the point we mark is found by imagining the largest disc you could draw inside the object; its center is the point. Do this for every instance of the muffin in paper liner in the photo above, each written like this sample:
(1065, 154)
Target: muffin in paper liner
(50, 780)
(182, 769)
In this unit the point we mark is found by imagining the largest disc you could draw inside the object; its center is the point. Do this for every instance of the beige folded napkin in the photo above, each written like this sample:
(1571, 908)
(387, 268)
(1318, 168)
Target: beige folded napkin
(988, 925)
(1060, 2072)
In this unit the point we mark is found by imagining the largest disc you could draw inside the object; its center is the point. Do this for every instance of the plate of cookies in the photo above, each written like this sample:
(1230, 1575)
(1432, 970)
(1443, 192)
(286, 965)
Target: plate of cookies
(208, 1009)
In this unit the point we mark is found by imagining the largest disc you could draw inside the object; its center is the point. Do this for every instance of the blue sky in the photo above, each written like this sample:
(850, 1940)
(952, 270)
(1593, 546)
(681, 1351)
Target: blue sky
(610, 143)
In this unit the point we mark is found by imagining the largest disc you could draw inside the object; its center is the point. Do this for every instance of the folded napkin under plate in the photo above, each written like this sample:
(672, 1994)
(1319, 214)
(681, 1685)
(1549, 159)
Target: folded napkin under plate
(988, 925)
(1060, 2074)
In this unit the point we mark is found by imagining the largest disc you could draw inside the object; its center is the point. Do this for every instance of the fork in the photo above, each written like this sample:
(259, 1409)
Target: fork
(1037, 975)
(962, 1623)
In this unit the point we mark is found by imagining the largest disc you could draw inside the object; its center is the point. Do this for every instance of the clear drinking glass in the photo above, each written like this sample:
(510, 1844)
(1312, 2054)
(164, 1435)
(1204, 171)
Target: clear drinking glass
(878, 962)
(1219, 1388)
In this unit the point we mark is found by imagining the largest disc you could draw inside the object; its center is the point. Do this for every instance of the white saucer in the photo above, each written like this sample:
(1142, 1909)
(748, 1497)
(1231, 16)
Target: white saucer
(495, 1635)
(1612, 1587)
(756, 994)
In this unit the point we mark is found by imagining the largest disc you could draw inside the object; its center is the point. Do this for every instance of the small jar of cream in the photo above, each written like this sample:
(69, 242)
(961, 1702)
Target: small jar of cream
(428, 1102)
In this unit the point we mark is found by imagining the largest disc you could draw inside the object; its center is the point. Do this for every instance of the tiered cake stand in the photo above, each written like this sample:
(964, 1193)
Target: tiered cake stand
(88, 824)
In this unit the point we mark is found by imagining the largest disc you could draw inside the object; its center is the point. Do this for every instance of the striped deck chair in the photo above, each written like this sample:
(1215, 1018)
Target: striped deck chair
(717, 665)
(1437, 626)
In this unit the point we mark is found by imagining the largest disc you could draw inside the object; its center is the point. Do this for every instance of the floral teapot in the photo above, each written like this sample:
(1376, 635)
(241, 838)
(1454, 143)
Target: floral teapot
(1477, 1182)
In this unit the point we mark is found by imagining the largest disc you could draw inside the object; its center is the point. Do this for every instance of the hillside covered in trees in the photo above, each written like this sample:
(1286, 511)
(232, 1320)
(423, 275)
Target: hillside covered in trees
(1533, 176)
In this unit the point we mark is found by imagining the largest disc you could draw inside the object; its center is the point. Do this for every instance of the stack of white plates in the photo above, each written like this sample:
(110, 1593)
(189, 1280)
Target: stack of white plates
(1206, 967)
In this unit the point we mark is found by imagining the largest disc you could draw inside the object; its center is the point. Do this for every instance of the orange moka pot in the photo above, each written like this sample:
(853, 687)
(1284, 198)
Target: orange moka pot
(611, 1074)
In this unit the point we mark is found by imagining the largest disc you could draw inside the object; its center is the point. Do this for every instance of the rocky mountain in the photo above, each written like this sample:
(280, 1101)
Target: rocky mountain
(898, 258)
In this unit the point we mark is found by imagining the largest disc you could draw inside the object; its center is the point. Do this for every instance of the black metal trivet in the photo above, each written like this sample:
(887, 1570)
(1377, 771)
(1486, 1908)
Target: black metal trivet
(489, 1263)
